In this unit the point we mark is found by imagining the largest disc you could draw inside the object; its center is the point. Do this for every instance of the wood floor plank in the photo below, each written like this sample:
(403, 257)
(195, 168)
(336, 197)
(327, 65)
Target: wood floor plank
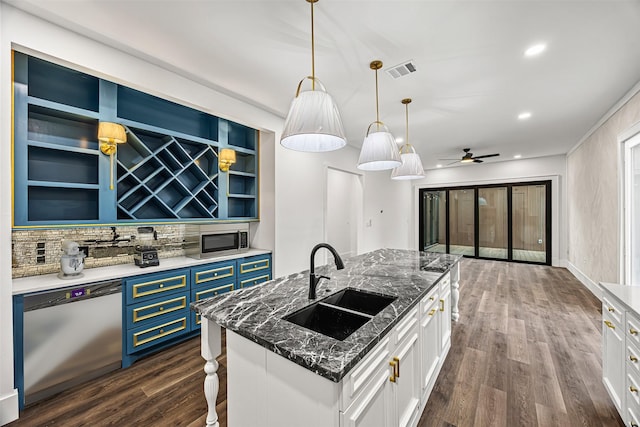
(528, 336)
(492, 408)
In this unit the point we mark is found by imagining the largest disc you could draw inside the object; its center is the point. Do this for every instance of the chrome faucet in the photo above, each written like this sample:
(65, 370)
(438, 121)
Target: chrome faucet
(313, 279)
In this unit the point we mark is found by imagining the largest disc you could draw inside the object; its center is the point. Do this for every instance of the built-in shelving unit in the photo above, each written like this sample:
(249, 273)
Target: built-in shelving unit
(167, 170)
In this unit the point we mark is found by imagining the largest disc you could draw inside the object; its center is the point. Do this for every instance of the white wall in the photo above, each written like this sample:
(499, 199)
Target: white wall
(542, 168)
(292, 184)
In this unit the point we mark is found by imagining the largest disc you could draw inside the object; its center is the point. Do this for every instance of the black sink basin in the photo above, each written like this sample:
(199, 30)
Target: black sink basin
(341, 314)
(361, 301)
(328, 320)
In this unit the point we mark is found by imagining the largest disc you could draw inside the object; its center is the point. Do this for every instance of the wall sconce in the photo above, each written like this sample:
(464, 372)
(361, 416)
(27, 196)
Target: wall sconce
(110, 135)
(226, 158)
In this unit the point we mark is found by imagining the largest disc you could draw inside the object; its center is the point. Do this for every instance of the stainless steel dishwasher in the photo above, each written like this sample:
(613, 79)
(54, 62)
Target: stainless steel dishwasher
(71, 335)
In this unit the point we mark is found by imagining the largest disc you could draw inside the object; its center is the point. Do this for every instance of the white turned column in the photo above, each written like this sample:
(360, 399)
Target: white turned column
(211, 347)
(455, 297)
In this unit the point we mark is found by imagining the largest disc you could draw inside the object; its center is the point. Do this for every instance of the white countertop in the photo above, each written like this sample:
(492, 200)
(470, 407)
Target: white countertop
(627, 295)
(52, 281)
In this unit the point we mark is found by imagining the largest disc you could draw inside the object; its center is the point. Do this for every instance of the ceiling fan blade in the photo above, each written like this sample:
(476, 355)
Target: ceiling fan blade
(450, 159)
(486, 155)
(457, 161)
(477, 161)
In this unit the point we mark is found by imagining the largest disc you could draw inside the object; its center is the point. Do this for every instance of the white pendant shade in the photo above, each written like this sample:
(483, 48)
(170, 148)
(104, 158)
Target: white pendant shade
(379, 152)
(411, 167)
(313, 123)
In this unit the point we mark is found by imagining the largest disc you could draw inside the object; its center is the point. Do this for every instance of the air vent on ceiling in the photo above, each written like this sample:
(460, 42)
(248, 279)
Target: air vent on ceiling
(402, 70)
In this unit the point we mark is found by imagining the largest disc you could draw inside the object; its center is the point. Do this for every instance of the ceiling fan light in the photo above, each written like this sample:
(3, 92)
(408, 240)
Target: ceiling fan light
(313, 124)
(467, 160)
(411, 167)
(379, 152)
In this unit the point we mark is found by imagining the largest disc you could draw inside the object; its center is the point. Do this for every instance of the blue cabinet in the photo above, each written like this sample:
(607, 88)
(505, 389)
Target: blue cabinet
(156, 311)
(166, 171)
(253, 270)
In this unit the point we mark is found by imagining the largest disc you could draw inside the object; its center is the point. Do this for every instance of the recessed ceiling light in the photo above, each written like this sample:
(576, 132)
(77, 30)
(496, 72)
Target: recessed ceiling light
(524, 116)
(535, 50)
(438, 166)
(517, 156)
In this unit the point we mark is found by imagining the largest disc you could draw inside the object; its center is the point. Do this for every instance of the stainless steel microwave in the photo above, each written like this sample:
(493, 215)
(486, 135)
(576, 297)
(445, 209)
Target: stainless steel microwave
(211, 240)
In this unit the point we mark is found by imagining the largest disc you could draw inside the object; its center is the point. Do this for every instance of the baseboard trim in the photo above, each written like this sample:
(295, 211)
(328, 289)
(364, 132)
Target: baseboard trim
(585, 280)
(9, 407)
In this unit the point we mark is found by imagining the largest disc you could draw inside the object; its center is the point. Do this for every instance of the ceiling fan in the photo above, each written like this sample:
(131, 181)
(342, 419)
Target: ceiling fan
(469, 158)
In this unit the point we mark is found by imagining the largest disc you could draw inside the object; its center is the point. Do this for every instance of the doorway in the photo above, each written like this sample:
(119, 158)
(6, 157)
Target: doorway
(510, 222)
(343, 214)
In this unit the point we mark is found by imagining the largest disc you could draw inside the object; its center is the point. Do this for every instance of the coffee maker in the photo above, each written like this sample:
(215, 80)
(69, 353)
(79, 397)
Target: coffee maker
(146, 255)
(72, 260)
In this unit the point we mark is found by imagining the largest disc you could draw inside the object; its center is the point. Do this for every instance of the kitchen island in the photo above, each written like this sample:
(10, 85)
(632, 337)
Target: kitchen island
(282, 374)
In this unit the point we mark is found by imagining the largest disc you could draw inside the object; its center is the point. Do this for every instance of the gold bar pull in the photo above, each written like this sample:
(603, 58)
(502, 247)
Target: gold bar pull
(633, 359)
(633, 331)
(395, 359)
(392, 378)
(609, 324)
(432, 312)
(632, 389)
(611, 309)
(632, 424)
(441, 305)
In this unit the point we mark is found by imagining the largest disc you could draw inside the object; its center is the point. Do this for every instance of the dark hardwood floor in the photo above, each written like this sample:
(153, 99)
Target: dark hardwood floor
(525, 352)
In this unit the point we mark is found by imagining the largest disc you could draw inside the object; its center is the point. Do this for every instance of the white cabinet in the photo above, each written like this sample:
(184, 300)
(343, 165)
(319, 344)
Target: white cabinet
(445, 313)
(374, 408)
(429, 340)
(613, 348)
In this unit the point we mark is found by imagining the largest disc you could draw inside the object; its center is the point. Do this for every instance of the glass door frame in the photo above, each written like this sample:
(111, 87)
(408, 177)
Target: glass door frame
(476, 213)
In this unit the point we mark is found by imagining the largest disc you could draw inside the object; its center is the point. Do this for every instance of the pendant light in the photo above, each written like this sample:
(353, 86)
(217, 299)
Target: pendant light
(379, 149)
(411, 167)
(313, 123)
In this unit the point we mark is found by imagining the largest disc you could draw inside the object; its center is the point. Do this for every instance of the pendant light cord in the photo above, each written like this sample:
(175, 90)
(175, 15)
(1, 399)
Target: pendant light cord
(407, 121)
(377, 109)
(313, 54)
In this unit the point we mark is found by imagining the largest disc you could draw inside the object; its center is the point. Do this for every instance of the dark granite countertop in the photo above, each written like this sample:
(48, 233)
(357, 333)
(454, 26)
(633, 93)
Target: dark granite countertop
(256, 313)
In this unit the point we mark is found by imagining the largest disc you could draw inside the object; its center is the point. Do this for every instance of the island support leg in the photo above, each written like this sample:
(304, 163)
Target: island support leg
(455, 297)
(211, 347)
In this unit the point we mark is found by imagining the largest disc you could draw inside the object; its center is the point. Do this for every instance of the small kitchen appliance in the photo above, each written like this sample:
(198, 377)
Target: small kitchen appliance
(146, 255)
(211, 240)
(72, 260)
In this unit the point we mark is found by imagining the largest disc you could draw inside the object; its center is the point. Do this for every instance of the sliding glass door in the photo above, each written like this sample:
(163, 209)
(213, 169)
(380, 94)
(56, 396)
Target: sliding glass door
(502, 221)
(493, 221)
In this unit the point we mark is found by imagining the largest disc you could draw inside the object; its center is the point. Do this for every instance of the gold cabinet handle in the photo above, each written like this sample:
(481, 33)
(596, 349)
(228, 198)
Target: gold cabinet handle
(392, 378)
(161, 309)
(432, 312)
(395, 359)
(632, 389)
(633, 358)
(611, 309)
(441, 305)
(609, 324)
(632, 424)
(633, 331)
(431, 298)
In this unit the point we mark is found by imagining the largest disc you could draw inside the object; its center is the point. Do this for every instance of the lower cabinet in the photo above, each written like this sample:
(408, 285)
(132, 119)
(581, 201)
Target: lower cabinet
(389, 387)
(613, 347)
(156, 311)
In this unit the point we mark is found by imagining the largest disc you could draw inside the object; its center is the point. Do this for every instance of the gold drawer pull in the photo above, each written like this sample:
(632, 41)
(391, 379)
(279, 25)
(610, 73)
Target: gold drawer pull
(431, 298)
(611, 309)
(392, 378)
(162, 331)
(162, 285)
(633, 359)
(609, 324)
(161, 308)
(441, 305)
(632, 424)
(432, 312)
(395, 359)
(633, 331)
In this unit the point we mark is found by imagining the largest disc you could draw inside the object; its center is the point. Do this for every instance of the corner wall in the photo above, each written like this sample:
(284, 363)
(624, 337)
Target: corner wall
(594, 201)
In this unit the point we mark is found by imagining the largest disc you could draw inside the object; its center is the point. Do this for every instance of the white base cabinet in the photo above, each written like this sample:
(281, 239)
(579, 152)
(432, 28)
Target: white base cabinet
(388, 388)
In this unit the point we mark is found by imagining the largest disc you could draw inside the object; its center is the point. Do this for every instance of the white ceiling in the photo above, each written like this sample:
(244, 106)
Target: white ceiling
(472, 78)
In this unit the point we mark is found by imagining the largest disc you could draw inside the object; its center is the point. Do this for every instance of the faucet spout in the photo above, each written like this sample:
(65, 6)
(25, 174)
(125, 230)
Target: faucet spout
(313, 279)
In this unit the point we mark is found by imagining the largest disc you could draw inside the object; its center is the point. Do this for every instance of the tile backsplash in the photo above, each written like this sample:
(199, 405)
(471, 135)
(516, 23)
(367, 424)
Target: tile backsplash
(38, 251)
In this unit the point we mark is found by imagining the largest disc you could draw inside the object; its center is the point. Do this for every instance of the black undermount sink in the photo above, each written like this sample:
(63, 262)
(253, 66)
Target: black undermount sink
(361, 301)
(341, 314)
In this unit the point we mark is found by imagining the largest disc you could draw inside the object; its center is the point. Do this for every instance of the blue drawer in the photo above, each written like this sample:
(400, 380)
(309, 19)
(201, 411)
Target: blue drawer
(157, 332)
(258, 265)
(153, 310)
(218, 288)
(152, 286)
(212, 274)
